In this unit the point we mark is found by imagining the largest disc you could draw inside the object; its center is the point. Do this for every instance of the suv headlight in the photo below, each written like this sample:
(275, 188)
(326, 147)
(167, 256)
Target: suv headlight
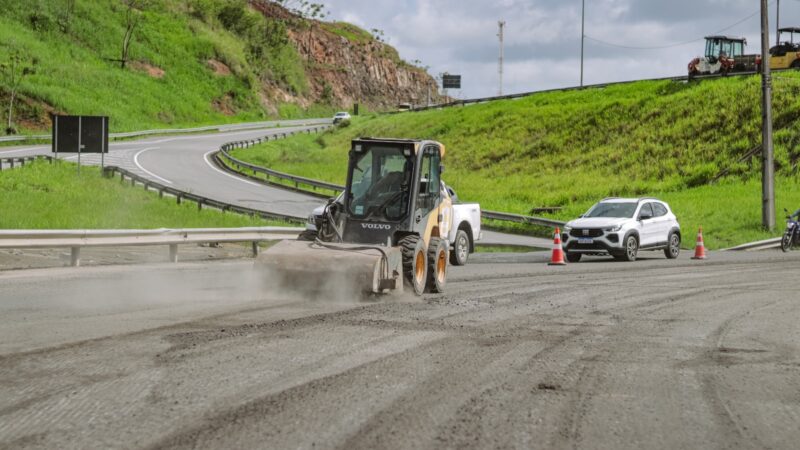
(613, 229)
(566, 229)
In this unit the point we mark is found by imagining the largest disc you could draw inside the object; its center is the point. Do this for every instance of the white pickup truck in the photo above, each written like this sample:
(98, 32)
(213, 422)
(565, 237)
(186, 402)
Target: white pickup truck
(465, 229)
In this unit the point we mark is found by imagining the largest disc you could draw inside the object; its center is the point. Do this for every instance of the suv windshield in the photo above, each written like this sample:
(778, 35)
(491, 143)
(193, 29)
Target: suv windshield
(612, 209)
(380, 187)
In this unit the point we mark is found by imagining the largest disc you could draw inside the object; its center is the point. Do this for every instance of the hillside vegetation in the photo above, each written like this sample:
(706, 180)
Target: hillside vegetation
(189, 62)
(572, 148)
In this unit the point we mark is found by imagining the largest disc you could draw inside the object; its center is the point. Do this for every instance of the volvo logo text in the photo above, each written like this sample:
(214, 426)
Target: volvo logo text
(376, 226)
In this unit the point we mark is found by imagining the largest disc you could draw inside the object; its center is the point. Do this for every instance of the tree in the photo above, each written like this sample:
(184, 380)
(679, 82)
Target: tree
(304, 8)
(133, 17)
(14, 71)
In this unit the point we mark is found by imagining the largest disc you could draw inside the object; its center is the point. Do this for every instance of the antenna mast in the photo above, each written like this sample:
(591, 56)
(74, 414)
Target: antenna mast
(501, 24)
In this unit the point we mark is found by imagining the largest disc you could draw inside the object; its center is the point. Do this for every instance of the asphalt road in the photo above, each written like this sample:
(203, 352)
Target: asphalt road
(516, 354)
(183, 162)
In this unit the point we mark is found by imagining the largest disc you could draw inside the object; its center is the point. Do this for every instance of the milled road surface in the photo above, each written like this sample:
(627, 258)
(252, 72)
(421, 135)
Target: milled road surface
(651, 354)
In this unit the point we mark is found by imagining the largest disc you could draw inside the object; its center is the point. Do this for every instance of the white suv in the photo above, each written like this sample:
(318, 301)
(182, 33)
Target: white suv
(621, 227)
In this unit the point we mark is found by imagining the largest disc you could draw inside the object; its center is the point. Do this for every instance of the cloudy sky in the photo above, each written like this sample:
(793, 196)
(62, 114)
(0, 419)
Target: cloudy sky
(542, 37)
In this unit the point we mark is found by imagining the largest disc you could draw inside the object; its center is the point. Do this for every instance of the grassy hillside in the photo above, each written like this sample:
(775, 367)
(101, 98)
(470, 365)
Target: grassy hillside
(571, 148)
(191, 62)
(54, 196)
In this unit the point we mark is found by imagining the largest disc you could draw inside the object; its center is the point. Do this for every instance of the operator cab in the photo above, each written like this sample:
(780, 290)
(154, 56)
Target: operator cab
(785, 46)
(724, 47)
(391, 185)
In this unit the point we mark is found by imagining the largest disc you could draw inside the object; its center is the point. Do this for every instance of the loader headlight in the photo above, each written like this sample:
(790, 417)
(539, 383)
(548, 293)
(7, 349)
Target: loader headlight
(311, 219)
(613, 229)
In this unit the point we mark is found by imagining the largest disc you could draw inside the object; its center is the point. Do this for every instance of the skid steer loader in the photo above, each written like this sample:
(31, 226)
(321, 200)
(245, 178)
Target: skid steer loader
(388, 229)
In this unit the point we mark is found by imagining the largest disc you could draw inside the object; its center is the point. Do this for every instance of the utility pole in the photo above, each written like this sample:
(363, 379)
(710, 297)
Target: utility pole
(583, 35)
(777, 22)
(501, 24)
(767, 160)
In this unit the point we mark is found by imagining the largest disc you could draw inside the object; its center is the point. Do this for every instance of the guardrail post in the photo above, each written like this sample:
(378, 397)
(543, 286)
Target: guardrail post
(178, 198)
(160, 193)
(173, 253)
(1, 164)
(12, 163)
(133, 181)
(75, 257)
(199, 205)
(255, 248)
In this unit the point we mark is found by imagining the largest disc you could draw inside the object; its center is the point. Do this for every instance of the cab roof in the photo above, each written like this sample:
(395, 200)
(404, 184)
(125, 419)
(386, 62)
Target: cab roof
(789, 30)
(416, 143)
(727, 38)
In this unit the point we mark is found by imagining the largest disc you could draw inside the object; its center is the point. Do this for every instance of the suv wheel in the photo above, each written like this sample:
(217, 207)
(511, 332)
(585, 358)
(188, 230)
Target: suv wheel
(673, 246)
(573, 257)
(631, 249)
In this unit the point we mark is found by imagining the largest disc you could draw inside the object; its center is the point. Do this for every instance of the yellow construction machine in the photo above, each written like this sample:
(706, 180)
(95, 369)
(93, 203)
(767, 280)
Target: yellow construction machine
(786, 54)
(389, 229)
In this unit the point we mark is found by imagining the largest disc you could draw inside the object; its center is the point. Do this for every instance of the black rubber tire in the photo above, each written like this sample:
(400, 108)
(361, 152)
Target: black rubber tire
(631, 249)
(673, 248)
(307, 235)
(413, 248)
(437, 265)
(786, 240)
(461, 246)
(795, 64)
(573, 257)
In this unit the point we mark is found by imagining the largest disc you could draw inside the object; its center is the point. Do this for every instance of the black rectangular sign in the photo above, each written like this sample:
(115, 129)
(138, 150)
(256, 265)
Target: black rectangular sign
(90, 133)
(451, 81)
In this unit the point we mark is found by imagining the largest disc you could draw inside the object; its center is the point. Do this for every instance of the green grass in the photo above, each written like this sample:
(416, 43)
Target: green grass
(74, 73)
(41, 195)
(572, 148)
(348, 31)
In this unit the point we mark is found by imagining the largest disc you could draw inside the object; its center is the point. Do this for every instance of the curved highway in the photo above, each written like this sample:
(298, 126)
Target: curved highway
(183, 162)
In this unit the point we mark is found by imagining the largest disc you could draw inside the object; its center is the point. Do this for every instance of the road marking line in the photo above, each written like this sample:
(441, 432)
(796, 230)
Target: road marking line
(136, 161)
(210, 164)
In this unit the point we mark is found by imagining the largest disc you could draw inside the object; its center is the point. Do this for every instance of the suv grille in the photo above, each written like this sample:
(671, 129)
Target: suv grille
(590, 232)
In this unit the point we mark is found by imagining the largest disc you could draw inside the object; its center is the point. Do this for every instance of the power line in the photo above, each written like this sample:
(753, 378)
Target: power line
(677, 44)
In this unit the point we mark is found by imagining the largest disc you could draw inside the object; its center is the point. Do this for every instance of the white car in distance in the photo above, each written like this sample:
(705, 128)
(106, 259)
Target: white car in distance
(622, 227)
(341, 116)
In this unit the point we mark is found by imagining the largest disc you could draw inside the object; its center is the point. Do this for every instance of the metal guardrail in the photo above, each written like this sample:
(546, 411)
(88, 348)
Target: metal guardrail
(201, 201)
(77, 239)
(238, 165)
(218, 128)
(18, 161)
(758, 245)
(574, 88)
(336, 188)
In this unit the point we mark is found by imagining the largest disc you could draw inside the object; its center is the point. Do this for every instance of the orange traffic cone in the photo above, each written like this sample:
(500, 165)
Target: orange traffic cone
(558, 252)
(700, 248)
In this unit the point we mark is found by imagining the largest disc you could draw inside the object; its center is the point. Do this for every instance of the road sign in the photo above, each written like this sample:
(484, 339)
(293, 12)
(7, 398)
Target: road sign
(451, 81)
(80, 134)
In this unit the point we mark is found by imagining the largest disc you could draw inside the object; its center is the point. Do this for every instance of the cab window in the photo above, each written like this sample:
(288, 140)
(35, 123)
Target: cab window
(429, 182)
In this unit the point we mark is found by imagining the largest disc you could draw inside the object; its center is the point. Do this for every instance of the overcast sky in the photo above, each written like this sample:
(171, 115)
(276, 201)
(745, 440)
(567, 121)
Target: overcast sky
(543, 37)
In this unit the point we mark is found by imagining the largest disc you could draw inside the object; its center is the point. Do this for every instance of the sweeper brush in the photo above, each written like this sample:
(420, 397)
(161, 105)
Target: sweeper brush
(326, 267)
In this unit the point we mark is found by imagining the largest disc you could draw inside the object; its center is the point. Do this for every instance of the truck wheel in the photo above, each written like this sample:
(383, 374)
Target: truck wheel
(415, 263)
(795, 64)
(437, 265)
(460, 253)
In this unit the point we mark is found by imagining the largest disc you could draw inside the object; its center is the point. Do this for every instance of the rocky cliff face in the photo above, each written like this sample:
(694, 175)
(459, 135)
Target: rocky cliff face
(346, 65)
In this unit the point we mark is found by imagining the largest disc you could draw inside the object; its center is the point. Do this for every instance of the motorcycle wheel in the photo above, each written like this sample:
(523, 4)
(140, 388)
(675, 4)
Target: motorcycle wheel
(786, 240)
